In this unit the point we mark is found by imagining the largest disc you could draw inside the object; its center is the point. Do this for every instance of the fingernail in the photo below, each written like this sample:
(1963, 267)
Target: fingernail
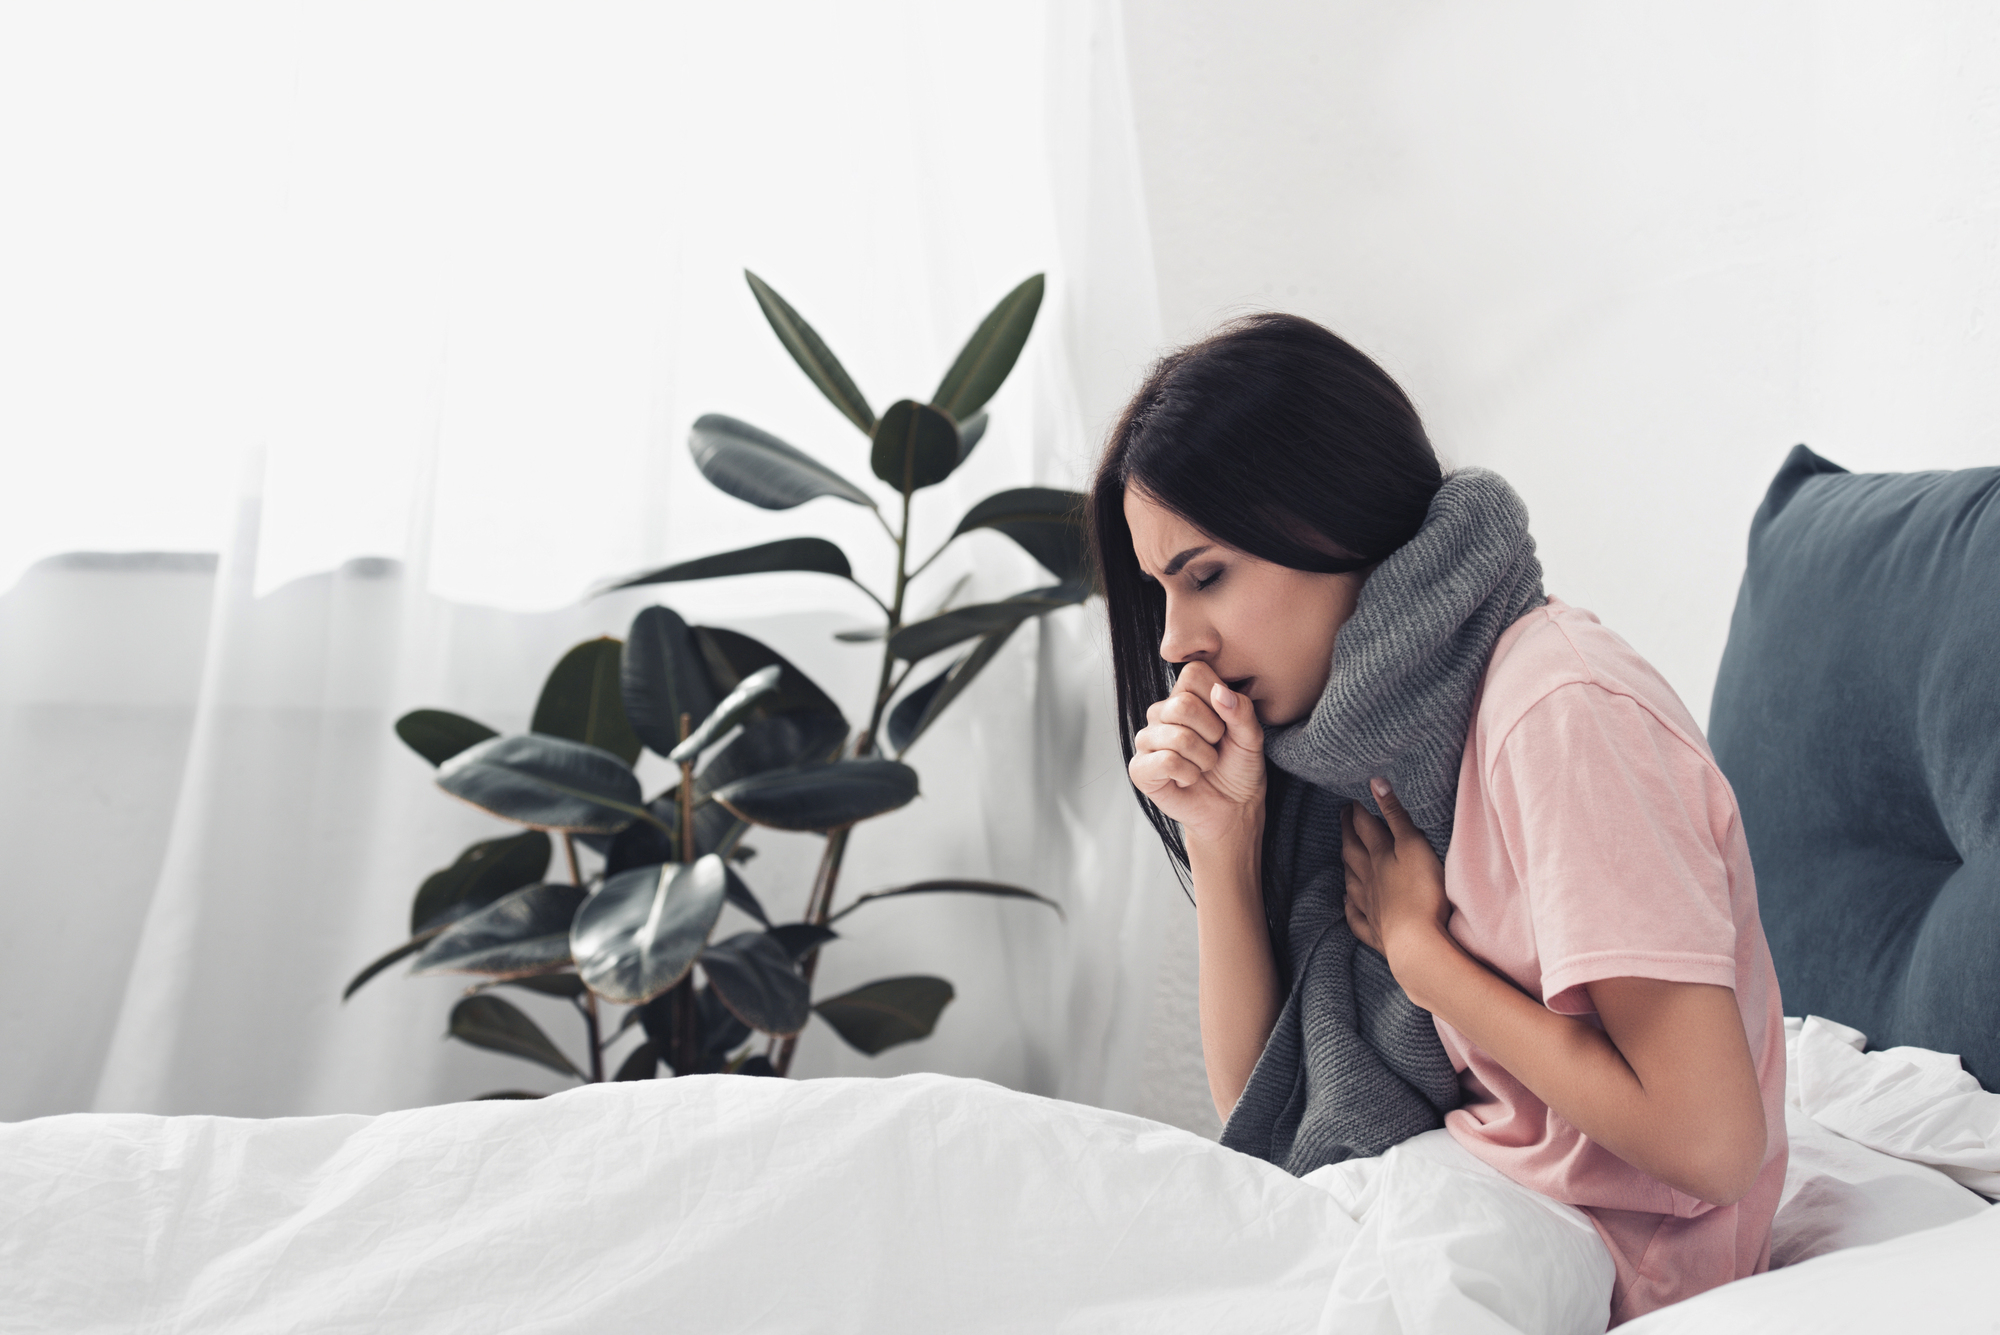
(1380, 787)
(1225, 698)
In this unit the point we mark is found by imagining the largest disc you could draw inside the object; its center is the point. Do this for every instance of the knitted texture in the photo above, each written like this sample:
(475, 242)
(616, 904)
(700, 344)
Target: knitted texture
(1353, 1066)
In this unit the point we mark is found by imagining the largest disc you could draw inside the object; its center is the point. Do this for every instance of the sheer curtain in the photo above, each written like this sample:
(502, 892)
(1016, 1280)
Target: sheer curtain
(405, 311)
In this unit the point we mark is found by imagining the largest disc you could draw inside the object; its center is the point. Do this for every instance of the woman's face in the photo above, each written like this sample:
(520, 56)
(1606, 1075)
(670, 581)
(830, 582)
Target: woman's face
(1267, 630)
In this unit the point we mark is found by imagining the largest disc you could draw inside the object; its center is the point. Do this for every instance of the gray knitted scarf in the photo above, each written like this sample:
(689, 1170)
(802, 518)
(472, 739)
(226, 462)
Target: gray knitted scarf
(1353, 1066)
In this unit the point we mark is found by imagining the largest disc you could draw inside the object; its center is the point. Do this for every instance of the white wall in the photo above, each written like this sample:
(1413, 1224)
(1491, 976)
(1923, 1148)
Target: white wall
(1626, 254)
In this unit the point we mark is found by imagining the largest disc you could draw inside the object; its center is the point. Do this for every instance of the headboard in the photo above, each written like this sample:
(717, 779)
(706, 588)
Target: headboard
(1857, 715)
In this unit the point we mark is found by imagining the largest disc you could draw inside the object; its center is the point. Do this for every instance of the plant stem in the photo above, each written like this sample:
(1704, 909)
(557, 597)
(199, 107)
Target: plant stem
(818, 905)
(687, 796)
(684, 1042)
(870, 592)
(589, 1008)
(885, 685)
(569, 847)
(686, 1059)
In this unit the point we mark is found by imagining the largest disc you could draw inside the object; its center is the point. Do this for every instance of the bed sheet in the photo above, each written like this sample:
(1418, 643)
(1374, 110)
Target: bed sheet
(1942, 1281)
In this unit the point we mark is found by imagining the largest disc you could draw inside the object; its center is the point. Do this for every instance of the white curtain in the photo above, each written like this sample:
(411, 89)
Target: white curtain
(405, 310)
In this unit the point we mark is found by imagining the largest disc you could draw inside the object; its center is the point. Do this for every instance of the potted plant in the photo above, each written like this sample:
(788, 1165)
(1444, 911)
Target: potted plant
(754, 741)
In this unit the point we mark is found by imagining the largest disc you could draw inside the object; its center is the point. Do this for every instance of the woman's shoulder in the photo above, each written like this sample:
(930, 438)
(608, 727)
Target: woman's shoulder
(1562, 658)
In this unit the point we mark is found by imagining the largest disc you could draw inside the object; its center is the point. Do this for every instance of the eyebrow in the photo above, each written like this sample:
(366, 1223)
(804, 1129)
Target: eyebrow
(1182, 558)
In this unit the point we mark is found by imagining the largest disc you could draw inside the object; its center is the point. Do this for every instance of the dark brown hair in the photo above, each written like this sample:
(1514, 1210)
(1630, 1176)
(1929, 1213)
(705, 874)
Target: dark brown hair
(1272, 435)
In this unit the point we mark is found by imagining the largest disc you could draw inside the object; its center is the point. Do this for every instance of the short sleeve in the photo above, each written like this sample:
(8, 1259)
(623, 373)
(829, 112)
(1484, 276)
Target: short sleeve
(1609, 818)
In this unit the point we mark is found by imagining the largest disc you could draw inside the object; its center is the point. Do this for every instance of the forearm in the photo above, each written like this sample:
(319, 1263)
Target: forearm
(1704, 1137)
(1238, 979)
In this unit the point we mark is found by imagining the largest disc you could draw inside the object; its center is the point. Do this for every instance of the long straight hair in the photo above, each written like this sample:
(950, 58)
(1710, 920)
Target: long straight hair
(1273, 436)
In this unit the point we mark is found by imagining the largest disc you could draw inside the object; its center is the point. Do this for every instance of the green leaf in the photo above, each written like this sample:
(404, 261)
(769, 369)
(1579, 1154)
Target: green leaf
(639, 934)
(717, 1030)
(483, 873)
(1046, 522)
(921, 639)
(990, 353)
(498, 1025)
(743, 897)
(408, 948)
(731, 710)
(867, 635)
(549, 783)
(757, 467)
(752, 974)
(644, 844)
(508, 1094)
(915, 446)
(952, 886)
(582, 700)
(887, 1012)
(812, 555)
(802, 737)
(915, 712)
(437, 735)
(970, 432)
(565, 985)
(721, 1031)
(661, 677)
(526, 932)
(642, 1063)
(812, 354)
(799, 937)
(821, 797)
(732, 656)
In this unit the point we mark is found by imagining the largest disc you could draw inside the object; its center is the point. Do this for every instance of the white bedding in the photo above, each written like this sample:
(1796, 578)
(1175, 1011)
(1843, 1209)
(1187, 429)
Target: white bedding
(719, 1203)
(924, 1203)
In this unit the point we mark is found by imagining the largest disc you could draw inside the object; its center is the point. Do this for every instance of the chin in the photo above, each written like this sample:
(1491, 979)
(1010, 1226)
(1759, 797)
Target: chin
(1272, 717)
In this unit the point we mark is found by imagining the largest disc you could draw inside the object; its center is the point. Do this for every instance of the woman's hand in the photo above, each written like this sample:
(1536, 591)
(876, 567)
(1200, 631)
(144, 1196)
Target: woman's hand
(1395, 883)
(1200, 757)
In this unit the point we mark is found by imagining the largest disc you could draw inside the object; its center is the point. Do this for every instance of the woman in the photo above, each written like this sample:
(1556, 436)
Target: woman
(1400, 777)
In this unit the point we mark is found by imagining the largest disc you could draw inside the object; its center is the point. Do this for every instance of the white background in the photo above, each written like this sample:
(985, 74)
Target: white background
(1628, 255)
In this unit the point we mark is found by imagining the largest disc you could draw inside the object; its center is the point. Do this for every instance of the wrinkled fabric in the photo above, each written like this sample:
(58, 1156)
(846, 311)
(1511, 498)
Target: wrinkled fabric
(1352, 1065)
(720, 1203)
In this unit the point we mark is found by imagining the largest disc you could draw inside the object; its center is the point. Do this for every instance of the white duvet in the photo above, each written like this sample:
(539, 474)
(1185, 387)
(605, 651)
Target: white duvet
(719, 1203)
(924, 1203)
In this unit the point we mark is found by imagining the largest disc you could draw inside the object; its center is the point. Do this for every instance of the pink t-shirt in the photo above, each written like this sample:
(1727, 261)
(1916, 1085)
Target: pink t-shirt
(1595, 838)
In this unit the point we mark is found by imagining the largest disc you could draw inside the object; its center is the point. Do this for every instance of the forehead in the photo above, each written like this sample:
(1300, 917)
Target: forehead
(1158, 534)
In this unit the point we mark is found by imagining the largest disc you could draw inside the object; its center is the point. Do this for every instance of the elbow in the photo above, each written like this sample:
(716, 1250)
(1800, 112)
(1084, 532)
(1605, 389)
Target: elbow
(1724, 1166)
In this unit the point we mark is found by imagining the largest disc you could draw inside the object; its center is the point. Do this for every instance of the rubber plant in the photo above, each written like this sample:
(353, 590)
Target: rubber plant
(754, 742)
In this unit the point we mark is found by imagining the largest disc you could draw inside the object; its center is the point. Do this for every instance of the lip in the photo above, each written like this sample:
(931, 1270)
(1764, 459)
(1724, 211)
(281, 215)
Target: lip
(1242, 685)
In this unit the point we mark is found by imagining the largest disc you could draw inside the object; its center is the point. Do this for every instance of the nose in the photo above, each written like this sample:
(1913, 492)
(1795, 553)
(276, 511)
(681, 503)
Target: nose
(1189, 637)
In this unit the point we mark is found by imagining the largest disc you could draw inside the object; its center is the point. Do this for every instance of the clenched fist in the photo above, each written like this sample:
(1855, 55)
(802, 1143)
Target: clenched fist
(1200, 757)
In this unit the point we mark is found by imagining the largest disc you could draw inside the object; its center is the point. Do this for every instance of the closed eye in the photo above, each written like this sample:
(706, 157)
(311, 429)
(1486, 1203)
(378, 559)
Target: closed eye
(1204, 583)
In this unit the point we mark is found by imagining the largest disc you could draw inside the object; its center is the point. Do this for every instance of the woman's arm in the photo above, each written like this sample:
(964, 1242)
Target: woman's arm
(1668, 1085)
(1237, 980)
(1201, 761)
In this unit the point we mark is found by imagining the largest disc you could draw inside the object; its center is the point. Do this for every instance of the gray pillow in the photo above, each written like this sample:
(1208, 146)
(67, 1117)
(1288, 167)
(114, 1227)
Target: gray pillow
(1857, 716)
